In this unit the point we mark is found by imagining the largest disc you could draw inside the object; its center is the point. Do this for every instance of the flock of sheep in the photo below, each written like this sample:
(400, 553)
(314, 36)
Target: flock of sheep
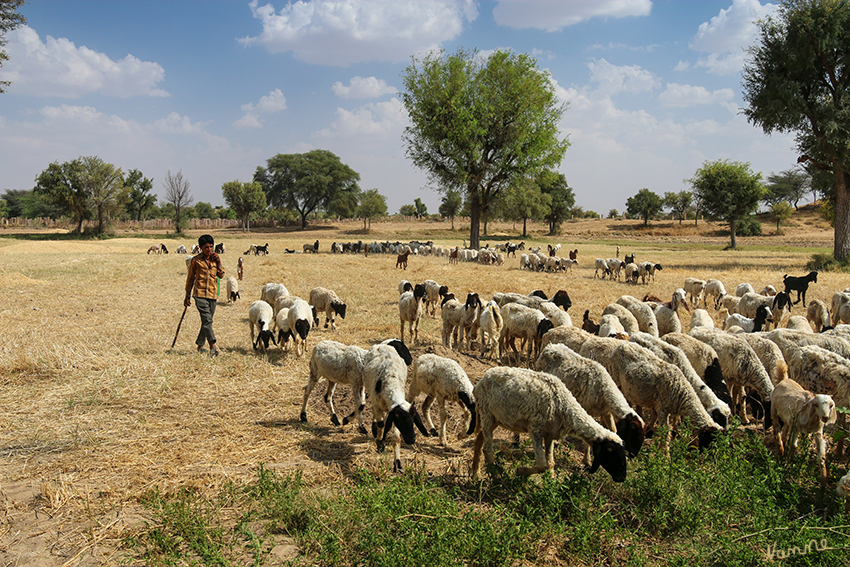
(633, 372)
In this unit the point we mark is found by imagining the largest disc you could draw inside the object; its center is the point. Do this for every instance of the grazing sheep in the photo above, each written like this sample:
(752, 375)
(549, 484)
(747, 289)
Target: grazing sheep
(181, 250)
(741, 367)
(442, 379)
(768, 290)
(750, 303)
(572, 337)
(713, 288)
(627, 320)
(525, 401)
(299, 318)
(403, 286)
(284, 333)
(818, 314)
(340, 364)
(755, 325)
(695, 288)
(615, 265)
(384, 376)
(839, 311)
(270, 293)
(631, 273)
(730, 303)
(601, 264)
(311, 248)
(260, 315)
(460, 321)
(597, 393)
(799, 323)
(800, 284)
(790, 341)
(526, 323)
(232, 290)
(323, 299)
(744, 289)
(650, 382)
(701, 318)
(156, 249)
(799, 411)
(647, 270)
(410, 311)
(705, 361)
(667, 314)
(490, 327)
(552, 312)
(643, 313)
(600, 349)
(434, 292)
(770, 356)
(610, 326)
(716, 408)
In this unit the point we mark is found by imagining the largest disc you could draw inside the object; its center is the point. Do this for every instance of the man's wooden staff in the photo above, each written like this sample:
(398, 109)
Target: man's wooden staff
(174, 342)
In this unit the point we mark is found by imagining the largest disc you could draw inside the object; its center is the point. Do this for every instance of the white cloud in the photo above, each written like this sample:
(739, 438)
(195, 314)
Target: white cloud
(343, 32)
(376, 121)
(727, 35)
(363, 87)
(57, 67)
(553, 15)
(676, 95)
(612, 79)
(273, 102)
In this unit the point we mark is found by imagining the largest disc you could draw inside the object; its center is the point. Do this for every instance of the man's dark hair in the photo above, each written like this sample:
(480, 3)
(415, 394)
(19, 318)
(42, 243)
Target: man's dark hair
(205, 239)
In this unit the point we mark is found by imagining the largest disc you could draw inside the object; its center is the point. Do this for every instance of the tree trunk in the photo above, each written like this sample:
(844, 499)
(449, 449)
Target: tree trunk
(474, 218)
(303, 221)
(523, 227)
(453, 222)
(841, 246)
(732, 227)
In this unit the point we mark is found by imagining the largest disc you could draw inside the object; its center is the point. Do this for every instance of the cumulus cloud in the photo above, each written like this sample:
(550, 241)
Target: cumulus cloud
(726, 36)
(676, 95)
(57, 67)
(612, 79)
(343, 32)
(553, 15)
(363, 87)
(373, 121)
(273, 102)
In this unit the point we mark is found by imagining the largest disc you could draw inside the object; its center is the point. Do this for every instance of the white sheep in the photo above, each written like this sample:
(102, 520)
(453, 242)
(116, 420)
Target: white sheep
(460, 320)
(818, 314)
(410, 311)
(340, 364)
(695, 288)
(800, 412)
(800, 323)
(768, 290)
(643, 313)
(601, 264)
(631, 273)
(713, 288)
(705, 362)
(188, 259)
(261, 315)
(716, 408)
(573, 337)
(650, 382)
(270, 293)
(433, 293)
(526, 323)
(840, 309)
(757, 324)
(384, 376)
(647, 270)
(610, 326)
(615, 265)
(595, 390)
(299, 320)
(778, 304)
(744, 289)
(284, 333)
(490, 326)
(232, 290)
(403, 286)
(741, 367)
(627, 320)
(701, 318)
(730, 303)
(789, 341)
(442, 379)
(770, 356)
(539, 404)
(327, 301)
(667, 314)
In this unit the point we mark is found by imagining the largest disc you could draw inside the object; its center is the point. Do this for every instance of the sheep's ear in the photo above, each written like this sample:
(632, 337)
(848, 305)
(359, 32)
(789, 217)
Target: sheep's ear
(807, 413)
(474, 415)
(417, 421)
(388, 425)
(596, 446)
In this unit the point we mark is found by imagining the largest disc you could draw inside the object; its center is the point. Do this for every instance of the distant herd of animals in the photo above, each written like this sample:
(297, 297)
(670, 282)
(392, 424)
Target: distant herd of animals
(635, 370)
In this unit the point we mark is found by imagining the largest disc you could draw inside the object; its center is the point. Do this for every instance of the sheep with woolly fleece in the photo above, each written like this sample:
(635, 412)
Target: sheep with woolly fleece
(695, 288)
(741, 367)
(410, 311)
(755, 325)
(270, 293)
(434, 292)
(284, 333)
(701, 318)
(648, 381)
(327, 301)
(749, 304)
(403, 286)
(789, 341)
(610, 326)
(799, 323)
(770, 356)
(643, 313)
(572, 337)
(768, 290)
(716, 408)
(600, 349)
(561, 299)
(730, 303)
(627, 320)
(261, 315)
(667, 314)
(180, 250)
(800, 412)
(232, 288)
(615, 265)
(817, 314)
(647, 270)
(705, 362)
(490, 325)
(340, 364)
(460, 320)
(596, 392)
(442, 379)
(743, 289)
(384, 377)
(601, 264)
(713, 288)
(525, 401)
(631, 273)
(526, 323)
(299, 321)
(839, 311)
(552, 312)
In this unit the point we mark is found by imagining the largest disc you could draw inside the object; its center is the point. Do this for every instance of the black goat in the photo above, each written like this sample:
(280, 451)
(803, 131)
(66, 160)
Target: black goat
(799, 284)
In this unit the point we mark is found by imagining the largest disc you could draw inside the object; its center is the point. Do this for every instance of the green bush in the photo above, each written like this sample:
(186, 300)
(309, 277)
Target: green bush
(748, 226)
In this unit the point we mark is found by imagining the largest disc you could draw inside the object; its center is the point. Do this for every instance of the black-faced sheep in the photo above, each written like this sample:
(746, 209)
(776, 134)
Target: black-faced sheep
(232, 290)
(817, 314)
(755, 325)
(526, 323)
(539, 404)
(300, 317)
(442, 379)
(261, 315)
(410, 311)
(327, 301)
(340, 364)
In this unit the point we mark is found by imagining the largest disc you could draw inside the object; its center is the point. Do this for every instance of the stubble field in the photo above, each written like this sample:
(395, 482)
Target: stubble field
(97, 410)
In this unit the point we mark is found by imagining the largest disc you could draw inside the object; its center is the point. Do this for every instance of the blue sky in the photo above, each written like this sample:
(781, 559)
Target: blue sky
(216, 87)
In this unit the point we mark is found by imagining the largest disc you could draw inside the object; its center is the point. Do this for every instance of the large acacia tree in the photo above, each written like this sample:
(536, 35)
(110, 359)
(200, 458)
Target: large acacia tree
(728, 191)
(645, 204)
(479, 124)
(244, 199)
(797, 79)
(306, 182)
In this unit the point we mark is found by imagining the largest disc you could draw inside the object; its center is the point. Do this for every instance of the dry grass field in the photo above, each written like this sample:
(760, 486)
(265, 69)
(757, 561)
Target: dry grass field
(96, 409)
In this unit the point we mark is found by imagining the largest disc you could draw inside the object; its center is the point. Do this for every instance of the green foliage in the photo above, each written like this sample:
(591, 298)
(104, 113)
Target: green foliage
(421, 208)
(407, 210)
(245, 199)
(645, 204)
(62, 185)
(477, 124)
(525, 201)
(9, 20)
(372, 205)
(749, 226)
(306, 182)
(782, 211)
(138, 199)
(787, 186)
(203, 210)
(828, 263)
(613, 213)
(562, 200)
(451, 204)
(728, 191)
(679, 203)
